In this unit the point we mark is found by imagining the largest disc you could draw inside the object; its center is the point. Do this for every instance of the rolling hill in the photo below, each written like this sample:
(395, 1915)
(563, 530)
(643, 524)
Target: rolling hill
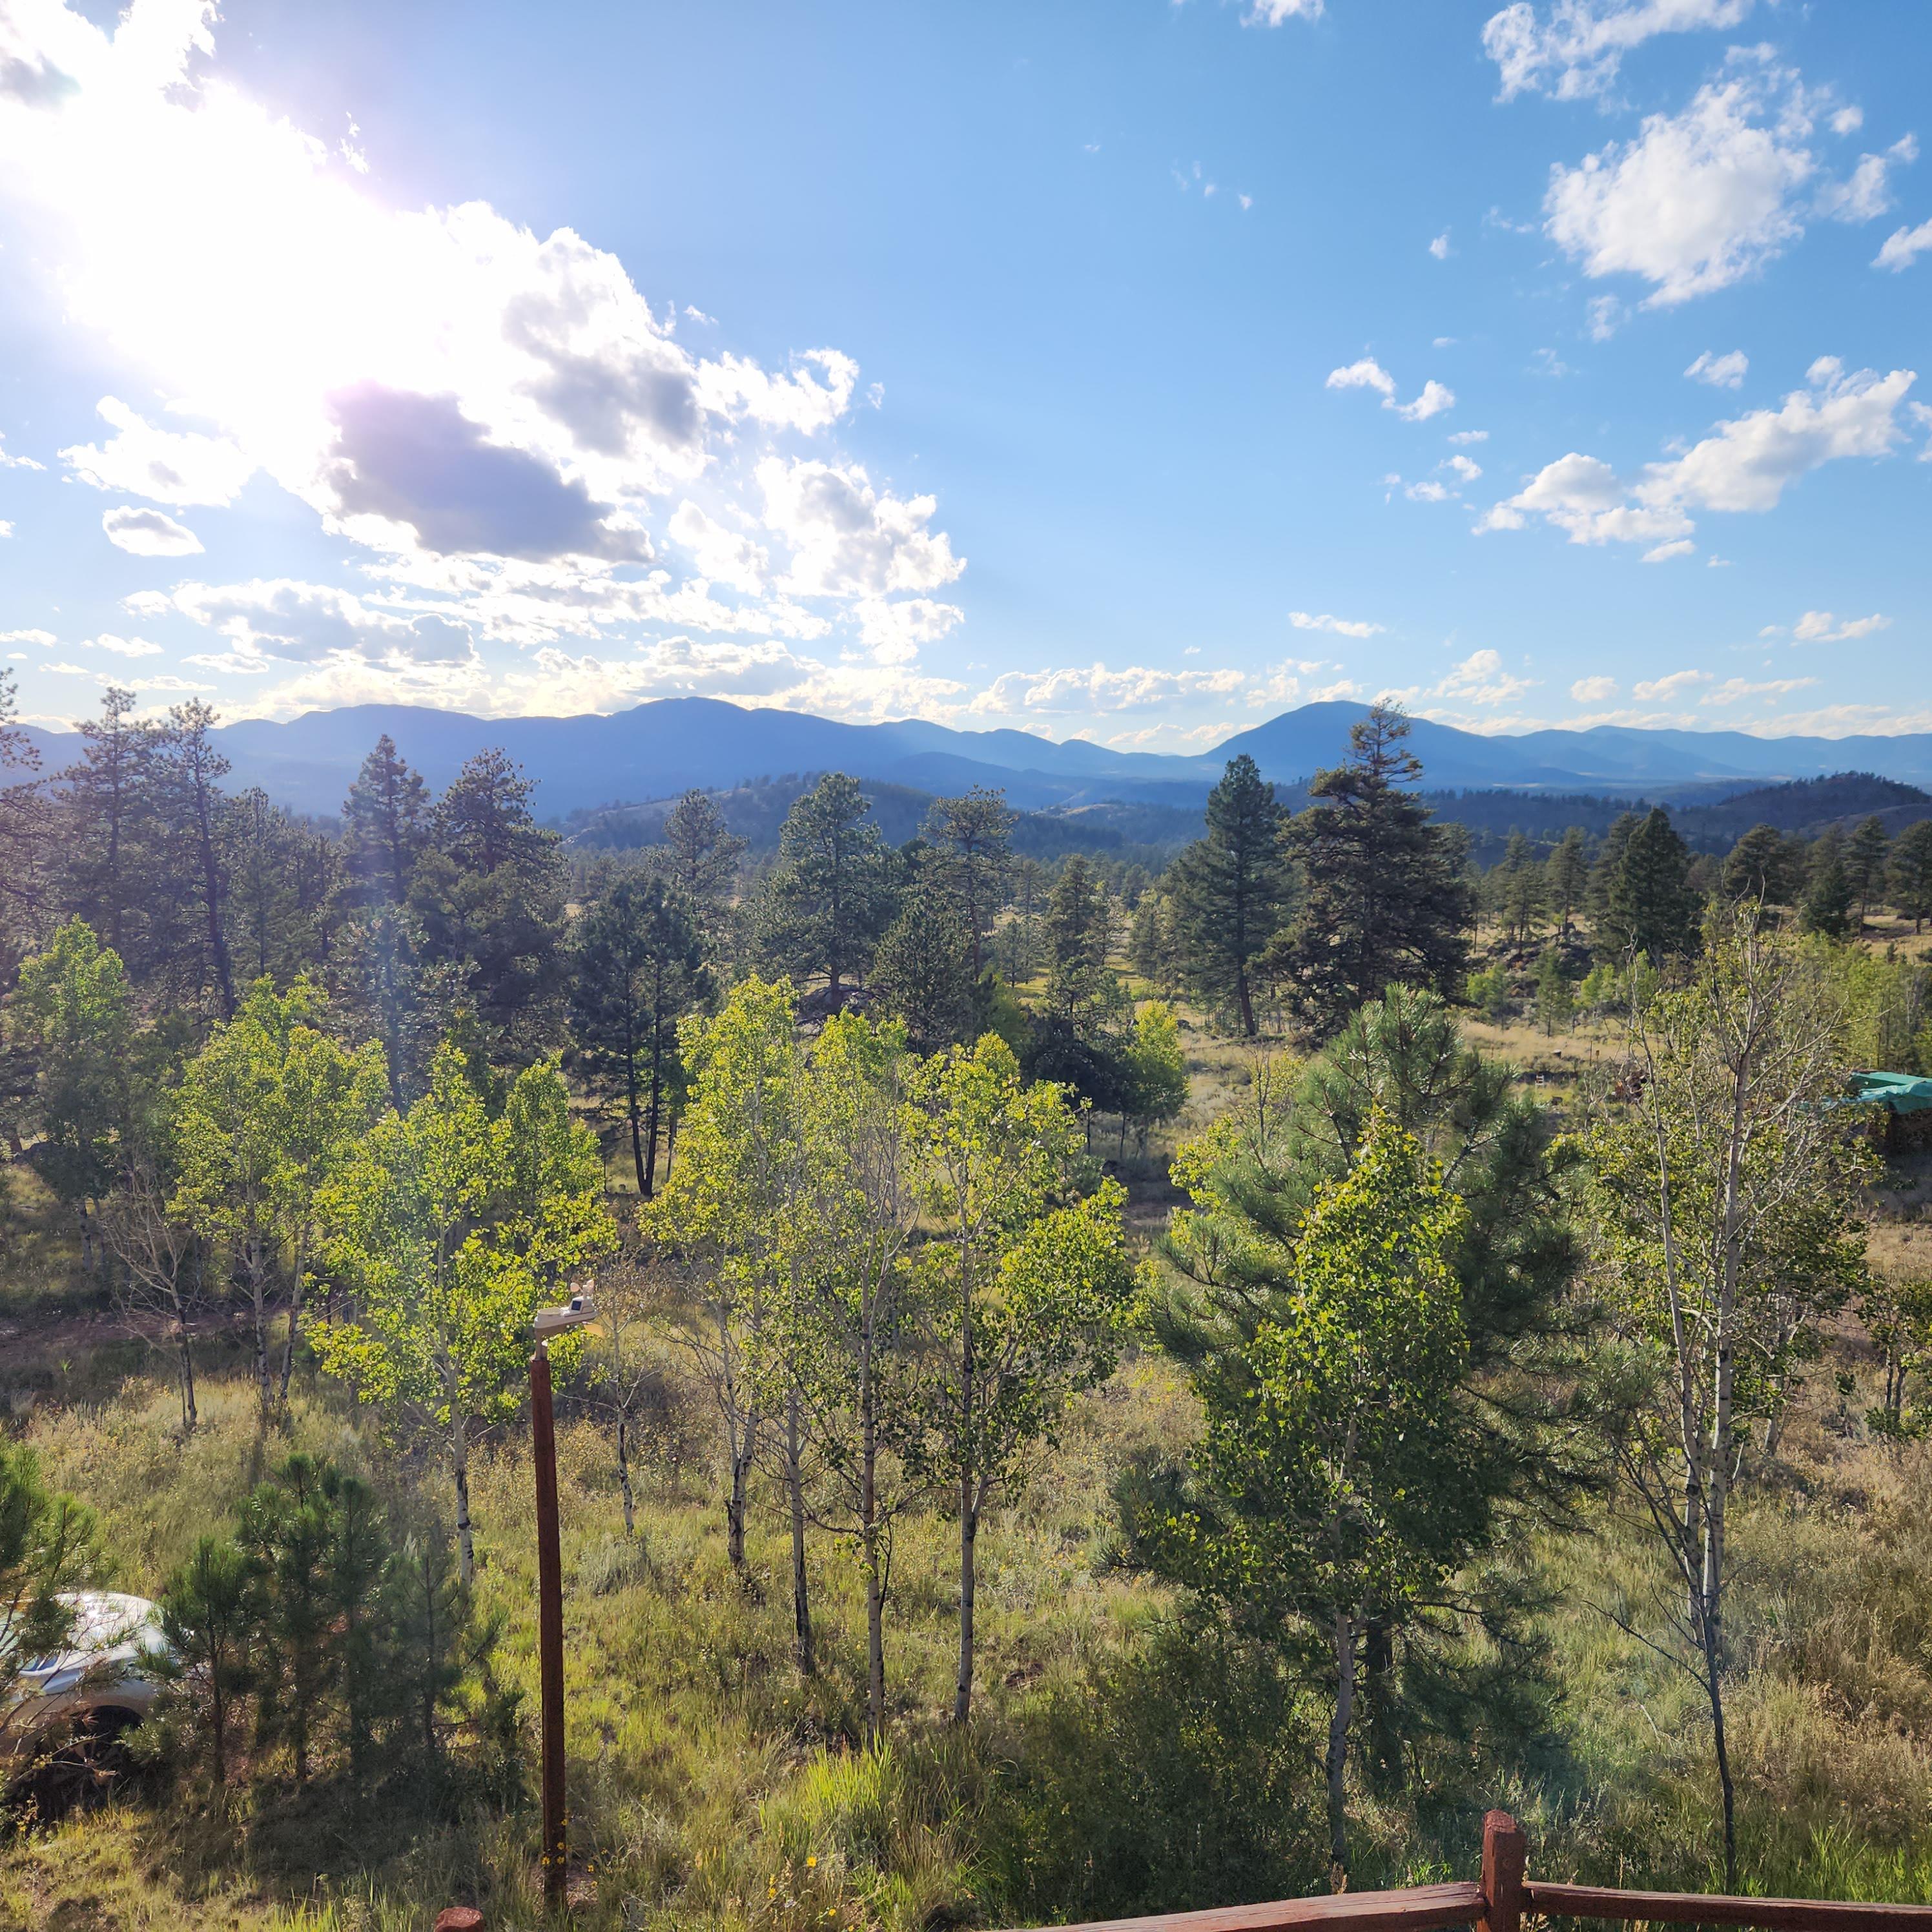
(660, 748)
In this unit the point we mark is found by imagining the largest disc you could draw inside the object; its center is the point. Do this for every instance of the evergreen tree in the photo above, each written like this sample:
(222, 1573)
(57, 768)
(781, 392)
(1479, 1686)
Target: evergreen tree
(210, 1613)
(1912, 872)
(1154, 945)
(1384, 901)
(281, 881)
(1230, 887)
(1827, 908)
(72, 1015)
(1556, 1004)
(1603, 873)
(1866, 855)
(1759, 867)
(26, 846)
(1566, 878)
(490, 892)
(922, 975)
(385, 827)
(833, 891)
(702, 861)
(111, 830)
(639, 969)
(288, 1529)
(1651, 907)
(970, 843)
(1079, 935)
(1520, 889)
(191, 771)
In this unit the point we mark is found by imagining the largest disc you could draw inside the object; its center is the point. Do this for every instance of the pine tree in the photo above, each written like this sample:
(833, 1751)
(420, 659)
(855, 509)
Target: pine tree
(1079, 936)
(1865, 862)
(703, 859)
(922, 975)
(26, 846)
(1384, 901)
(1759, 867)
(191, 771)
(833, 891)
(489, 892)
(280, 879)
(385, 826)
(1522, 889)
(1651, 907)
(1912, 873)
(1566, 876)
(970, 842)
(1828, 887)
(1230, 887)
(1609, 860)
(112, 832)
(639, 970)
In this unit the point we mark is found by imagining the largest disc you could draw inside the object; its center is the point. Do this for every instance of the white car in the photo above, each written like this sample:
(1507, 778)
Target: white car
(62, 1728)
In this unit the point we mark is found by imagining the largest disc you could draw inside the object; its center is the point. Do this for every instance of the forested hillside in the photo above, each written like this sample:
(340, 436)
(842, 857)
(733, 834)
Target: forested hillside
(1123, 1378)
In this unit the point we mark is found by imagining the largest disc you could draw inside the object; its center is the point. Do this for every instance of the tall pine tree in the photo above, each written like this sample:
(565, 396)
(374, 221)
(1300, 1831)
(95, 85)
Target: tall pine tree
(1650, 906)
(1229, 889)
(385, 826)
(1384, 901)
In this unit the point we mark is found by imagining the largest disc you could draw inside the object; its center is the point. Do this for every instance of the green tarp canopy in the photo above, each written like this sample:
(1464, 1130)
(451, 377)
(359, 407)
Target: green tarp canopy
(1903, 1093)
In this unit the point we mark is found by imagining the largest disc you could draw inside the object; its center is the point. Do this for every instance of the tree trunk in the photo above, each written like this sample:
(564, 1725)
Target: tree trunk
(459, 1448)
(210, 874)
(1336, 1761)
(1246, 998)
(1713, 1685)
(969, 1591)
(734, 1509)
(294, 1325)
(624, 1473)
(636, 1126)
(875, 1596)
(189, 1416)
(258, 1295)
(657, 1094)
(801, 1600)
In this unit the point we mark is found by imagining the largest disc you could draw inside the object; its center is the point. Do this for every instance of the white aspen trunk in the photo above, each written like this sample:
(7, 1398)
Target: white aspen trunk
(1336, 1764)
(459, 1453)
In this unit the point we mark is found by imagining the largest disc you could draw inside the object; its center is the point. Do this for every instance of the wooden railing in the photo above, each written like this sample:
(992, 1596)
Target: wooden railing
(1499, 1901)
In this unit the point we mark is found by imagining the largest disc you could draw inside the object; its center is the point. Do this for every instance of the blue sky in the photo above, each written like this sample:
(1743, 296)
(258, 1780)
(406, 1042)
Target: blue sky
(1133, 370)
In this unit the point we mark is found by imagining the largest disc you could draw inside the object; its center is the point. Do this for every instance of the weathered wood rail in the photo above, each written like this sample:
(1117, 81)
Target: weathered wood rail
(1499, 1901)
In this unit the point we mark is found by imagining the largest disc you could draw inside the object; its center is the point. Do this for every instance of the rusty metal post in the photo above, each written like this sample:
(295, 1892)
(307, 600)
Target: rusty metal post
(549, 1625)
(1505, 1854)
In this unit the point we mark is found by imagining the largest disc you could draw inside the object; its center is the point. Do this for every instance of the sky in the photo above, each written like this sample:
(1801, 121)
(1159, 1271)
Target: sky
(1132, 369)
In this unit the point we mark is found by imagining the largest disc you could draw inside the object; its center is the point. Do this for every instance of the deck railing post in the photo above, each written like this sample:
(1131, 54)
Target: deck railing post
(1505, 1855)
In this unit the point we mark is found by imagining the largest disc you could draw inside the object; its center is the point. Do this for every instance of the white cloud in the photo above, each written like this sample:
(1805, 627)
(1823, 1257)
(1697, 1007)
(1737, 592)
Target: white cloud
(1606, 315)
(1575, 48)
(1593, 690)
(1465, 468)
(720, 555)
(1471, 436)
(501, 417)
(1865, 194)
(1663, 689)
(122, 647)
(1821, 627)
(848, 540)
(1439, 247)
(1480, 679)
(1434, 399)
(45, 639)
(148, 533)
(307, 623)
(1093, 688)
(1698, 200)
(16, 462)
(1904, 246)
(1745, 465)
(1343, 627)
(165, 466)
(1368, 373)
(1273, 13)
(1722, 372)
(1664, 552)
(1427, 492)
(894, 632)
(1735, 690)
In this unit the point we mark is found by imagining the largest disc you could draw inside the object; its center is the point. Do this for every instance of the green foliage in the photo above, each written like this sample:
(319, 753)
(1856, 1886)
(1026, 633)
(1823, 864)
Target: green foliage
(1827, 905)
(1383, 898)
(922, 975)
(1649, 905)
(638, 969)
(1489, 992)
(969, 854)
(833, 891)
(1157, 1083)
(72, 1014)
(1229, 889)
(49, 1546)
(1555, 999)
(1911, 878)
(385, 827)
(453, 1227)
(1334, 1484)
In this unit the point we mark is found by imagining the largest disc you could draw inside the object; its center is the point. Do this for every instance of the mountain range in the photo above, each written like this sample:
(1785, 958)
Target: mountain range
(664, 747)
